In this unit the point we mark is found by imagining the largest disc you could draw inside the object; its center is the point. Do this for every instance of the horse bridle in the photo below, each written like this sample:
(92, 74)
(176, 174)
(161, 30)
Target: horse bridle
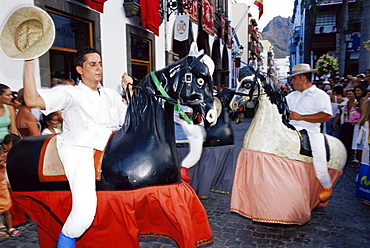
(253, 87)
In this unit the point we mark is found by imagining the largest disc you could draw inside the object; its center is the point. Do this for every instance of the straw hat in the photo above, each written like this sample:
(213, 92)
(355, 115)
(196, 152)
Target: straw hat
(27, 33)
(301, 69)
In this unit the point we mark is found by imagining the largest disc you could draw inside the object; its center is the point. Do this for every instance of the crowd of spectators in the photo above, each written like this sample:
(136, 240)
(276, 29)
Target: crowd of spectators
(350, 97)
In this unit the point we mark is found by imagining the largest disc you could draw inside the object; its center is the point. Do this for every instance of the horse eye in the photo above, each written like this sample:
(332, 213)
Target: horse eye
(247, 85)
(200, 81)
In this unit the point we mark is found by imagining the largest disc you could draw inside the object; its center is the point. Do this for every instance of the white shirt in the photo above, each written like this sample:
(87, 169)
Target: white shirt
(46, 131)
(308, 102)
(89, 117)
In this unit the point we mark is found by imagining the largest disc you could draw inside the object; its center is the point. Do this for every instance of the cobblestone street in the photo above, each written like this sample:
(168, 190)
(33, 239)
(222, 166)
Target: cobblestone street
(345, 222)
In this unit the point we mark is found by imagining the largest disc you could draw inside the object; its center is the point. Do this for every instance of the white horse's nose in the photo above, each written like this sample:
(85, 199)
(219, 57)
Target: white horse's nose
(211, 116)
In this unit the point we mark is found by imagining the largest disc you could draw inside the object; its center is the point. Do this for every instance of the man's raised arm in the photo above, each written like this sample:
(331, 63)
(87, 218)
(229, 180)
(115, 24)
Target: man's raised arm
(31, 98)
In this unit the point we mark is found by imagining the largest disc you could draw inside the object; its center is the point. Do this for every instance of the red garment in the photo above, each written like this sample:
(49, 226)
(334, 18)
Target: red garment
(169, 211)
(18, 214)
(150, 17)
(97, 5)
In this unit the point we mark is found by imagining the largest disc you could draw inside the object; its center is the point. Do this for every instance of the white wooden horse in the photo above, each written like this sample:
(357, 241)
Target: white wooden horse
(268, 131)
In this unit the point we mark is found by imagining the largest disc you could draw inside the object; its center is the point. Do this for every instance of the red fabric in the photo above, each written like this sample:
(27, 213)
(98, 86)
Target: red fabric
(170, 211)
(274, 189)
(150, 17)
(193, 11)
(97, 5)
(18, 214)
(207, 19)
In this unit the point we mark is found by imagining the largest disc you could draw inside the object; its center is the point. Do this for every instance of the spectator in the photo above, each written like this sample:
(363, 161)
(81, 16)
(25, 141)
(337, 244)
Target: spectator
(360, 94)
(27, 123)
(18, 214)
(69, 81)
(351, 117)
(50, 123)
(333, 126)
(56, 81)
(14, 102)
(5, 199)
(363, 137)
(7, 113)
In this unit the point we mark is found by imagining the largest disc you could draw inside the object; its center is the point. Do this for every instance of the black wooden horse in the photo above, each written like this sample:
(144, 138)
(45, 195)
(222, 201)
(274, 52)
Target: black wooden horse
(221, 134)
(143, 152)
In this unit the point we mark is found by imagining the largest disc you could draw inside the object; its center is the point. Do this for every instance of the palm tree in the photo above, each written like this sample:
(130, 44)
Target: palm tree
(364, 60)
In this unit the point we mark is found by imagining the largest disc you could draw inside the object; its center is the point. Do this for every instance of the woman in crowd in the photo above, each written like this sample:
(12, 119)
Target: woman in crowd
(50, 124)
(351, 117)
(27, 123)
(333, 126)
(7, 113)
(360, 94)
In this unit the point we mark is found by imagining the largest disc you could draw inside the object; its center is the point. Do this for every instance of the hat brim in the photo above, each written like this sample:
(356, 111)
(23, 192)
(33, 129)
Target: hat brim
(17, 17)
(302, 72)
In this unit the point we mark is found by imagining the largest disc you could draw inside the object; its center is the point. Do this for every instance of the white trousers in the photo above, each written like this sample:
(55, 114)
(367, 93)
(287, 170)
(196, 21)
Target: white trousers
(195, 136)
(78, 163)
(317, 143)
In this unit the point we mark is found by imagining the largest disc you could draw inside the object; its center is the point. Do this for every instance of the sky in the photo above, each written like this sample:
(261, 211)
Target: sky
(271, 8)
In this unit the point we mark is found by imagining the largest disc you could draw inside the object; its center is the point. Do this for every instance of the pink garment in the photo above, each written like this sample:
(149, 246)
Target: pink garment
(274, 189)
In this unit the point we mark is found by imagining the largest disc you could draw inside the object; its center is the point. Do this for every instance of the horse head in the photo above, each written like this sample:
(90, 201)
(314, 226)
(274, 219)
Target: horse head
(251, 84)
(189, 82)
(248, 87)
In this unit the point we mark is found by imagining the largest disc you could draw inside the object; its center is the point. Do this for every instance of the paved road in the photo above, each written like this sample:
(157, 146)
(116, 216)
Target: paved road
(344, 223)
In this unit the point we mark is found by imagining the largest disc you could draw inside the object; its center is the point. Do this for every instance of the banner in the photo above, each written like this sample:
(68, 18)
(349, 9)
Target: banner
(229, 37)
(207, 18)
(223, 23)
(150, 17)
(193, 11)
(181, 27)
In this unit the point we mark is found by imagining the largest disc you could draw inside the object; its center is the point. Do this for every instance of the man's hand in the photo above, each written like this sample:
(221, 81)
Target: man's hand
(126, 80)
(295, 116)
(313, 118)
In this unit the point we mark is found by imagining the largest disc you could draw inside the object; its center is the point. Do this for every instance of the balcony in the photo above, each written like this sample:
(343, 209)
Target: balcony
(324, 41)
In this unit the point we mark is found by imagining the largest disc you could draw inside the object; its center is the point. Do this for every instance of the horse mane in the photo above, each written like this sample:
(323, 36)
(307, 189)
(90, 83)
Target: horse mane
(276, 97)
(146, 92)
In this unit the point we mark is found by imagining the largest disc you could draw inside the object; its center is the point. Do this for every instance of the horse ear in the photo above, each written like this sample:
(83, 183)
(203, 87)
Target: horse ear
(194, 50)
(206, 59)
(209, 62)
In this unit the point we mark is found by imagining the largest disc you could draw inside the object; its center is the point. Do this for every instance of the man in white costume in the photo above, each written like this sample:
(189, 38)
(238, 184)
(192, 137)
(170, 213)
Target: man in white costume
(90, 112)
(310, 106)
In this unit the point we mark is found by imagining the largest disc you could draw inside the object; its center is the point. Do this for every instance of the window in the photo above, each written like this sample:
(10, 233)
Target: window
(140, 52)
(71, 33)
(325, 22)
(140, 56)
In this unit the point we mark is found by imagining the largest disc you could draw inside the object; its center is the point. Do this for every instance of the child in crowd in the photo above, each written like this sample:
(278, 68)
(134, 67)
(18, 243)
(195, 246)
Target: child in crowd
(18, 214)
(5, 200)
(50, 123)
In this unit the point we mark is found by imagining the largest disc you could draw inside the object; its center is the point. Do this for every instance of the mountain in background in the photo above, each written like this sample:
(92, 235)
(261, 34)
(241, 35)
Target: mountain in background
(279, 31)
